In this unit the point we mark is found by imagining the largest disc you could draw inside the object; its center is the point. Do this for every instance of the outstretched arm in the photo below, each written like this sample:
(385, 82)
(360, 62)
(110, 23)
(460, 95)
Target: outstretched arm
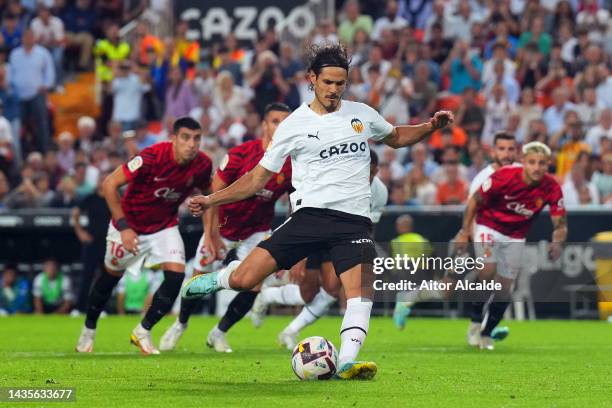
(242, 188)
(407, 135)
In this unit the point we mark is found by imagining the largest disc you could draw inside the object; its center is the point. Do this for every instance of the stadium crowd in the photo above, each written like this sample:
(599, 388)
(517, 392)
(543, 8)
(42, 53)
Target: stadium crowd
(540, 69)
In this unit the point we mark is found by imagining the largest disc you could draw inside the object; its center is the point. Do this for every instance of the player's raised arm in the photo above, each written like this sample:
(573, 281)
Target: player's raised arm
(407, 135)
(244, 187)
(110, 189)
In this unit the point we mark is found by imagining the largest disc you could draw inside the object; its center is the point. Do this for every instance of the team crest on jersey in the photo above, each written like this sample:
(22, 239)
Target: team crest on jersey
(280, 178)
(134, 164)
(539, 202)
(357, 125)
(560, 203)
(486, 185)
(224, 162)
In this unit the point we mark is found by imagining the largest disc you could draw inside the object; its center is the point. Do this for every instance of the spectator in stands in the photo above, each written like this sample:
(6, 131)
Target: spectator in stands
(554, 115)
(83, 187)
(420, 158)
(180, 98)
(52, 290)
(49, 32)
(439, 45)
(66, 155)
(147, 46)
(79, 18)
(397, 194)
(352, 21)
(577, 189)
(537, 35)
(226, 63)
(497, 111)
(229, 99)
(325, 32)
(470, 116)
(44, 192)
(464, 68)
(86, 133)
(602, 130)
(589, 109)
(390, 21)
(449, 156)
(14, 292)
(109, 52)
(186, 52)
(128, 88)
(418, 188)
(92, 237)
(423, 96)
(507, 81)
(11, 32)
(266, 79)
(532, 67)
(453, 190)
(570, 143)
(292, 70)
(65, 196)
(23, 15)
(603, 180)
(32, 74)
(25, 195)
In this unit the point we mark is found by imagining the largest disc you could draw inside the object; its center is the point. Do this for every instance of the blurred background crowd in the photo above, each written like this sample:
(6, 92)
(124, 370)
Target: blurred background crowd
(538, 68)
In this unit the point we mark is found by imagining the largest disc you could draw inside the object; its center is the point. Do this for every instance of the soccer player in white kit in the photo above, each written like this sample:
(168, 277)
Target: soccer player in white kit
(327, 141)
(321, 267)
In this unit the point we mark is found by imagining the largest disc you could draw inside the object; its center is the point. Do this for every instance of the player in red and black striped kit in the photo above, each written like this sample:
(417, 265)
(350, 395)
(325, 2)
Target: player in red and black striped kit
(144, 226)
(242, 225)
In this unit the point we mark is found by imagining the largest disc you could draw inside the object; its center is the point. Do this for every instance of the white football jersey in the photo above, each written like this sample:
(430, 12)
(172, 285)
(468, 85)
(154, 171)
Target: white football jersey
(483, 175)
(380, 194)
(480, 178)
(330, 156)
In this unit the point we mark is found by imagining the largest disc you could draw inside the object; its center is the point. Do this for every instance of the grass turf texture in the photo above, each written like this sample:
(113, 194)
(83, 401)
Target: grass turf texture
(541, 364)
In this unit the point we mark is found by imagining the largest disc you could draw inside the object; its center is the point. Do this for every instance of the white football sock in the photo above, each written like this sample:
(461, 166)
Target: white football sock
(354, 328)
(282, 295)
(224, 274)
(416, 296)
(311, 312)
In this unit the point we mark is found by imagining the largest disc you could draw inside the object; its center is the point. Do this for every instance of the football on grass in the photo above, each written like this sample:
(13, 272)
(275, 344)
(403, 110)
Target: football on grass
(314, 358)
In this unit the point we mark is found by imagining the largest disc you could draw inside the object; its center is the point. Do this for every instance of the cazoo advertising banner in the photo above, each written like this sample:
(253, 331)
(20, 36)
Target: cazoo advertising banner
(211, 20)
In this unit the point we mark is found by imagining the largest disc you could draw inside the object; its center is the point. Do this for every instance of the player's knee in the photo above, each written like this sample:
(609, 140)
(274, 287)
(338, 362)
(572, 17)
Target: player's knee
(240, 280)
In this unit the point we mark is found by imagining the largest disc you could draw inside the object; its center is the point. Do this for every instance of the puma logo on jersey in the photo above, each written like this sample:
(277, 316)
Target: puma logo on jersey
(343, 148)
(314, 136)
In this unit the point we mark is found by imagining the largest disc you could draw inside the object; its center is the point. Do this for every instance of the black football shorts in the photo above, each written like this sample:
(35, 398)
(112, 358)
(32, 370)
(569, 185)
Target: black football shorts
(347, 237)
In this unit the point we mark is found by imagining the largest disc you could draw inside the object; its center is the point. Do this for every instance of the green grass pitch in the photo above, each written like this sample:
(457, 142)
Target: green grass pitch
(541, 364)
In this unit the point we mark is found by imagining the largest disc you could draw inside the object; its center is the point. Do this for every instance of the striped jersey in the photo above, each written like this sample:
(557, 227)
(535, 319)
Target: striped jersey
(242, 219)
(157, 185)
